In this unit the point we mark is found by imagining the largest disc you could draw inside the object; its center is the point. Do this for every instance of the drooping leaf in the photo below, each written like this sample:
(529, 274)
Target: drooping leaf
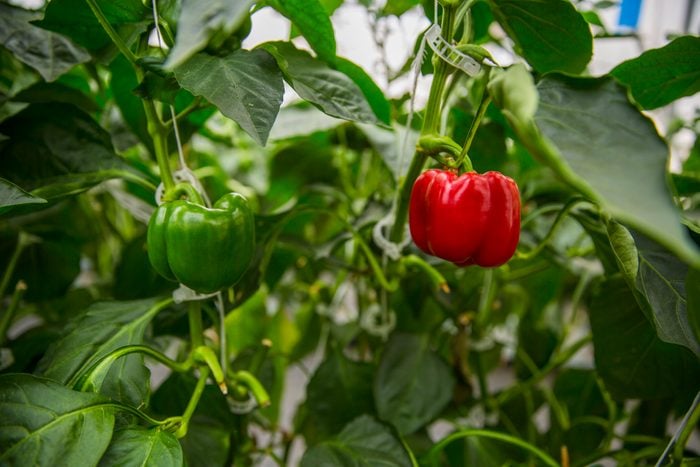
(245, 86)
(339, 391)
(374, 95)
(102, 328)
(12, 195)
(609, 149)
(661, 280)
(312, 20)
(138, 446)
(200, 21)
(47, 52)
(631, 359)
(660, 76)
(75, 19)
(57, 150)
(412, 384)
(364, 442)
(550, 34)
(44, 423)
(396, 146)
(328, 89)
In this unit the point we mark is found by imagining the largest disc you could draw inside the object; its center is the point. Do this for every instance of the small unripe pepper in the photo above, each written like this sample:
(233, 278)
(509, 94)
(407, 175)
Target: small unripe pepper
(468, 219)
(206, 249)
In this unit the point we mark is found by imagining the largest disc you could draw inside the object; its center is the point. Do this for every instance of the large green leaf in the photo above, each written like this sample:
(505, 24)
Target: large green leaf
(56, 150)
(363, 443)
(661, 279)
(412, 384)
(47, 52)
(339, 391)
(199, 21)
(693, 301)
(138, 446)
(245, 86)
(330, 90)
(75, 19)
(313, 23)
(550, 34)
(12, 195)
(660, 76)
(103, 328)
(44, 423)
(631, 359)
(374, 95)
(608, 149)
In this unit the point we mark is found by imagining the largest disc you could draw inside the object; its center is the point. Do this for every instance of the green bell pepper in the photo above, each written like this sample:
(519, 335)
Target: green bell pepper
(206, 249)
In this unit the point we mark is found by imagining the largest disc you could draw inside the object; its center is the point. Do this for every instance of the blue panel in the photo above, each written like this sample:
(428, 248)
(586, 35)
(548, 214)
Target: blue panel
(629, 13)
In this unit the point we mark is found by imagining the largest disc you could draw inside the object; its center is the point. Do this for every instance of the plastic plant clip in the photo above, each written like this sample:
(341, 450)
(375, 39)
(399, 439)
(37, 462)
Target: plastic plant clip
(447, 52)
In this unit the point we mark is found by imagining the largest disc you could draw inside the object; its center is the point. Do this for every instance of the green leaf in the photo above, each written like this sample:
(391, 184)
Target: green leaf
(101, 329)
(245, 86)
(660, 76)
(44, 423)
(373, 94)
(199, 21)
(313, 23)
(661, 279)
(300, 121)
(48, 53)
(339, 391)
(513, 90)
(12, 195)
(693, 300)
(550, 34)
(608, 150)
(394, 145)
(138, 446)
(56, 92)
(75, 19)
(363, 443)
(631, 359)
(57, 150)
(399, 7)
(329, 90)
(412, 385)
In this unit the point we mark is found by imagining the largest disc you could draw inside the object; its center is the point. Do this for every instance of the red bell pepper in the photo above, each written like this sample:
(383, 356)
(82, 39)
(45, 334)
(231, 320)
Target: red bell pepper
(468, 219)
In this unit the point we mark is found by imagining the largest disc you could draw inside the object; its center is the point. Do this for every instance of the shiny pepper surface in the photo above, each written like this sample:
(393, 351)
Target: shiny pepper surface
(468, 219)
(205, 249)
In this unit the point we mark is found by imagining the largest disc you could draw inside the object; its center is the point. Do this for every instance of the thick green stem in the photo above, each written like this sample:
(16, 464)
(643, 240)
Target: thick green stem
(433, 458)
(194, 314)
(159, 135)
(194, 400)
(254, 386)
(431, 125)
(116, 38)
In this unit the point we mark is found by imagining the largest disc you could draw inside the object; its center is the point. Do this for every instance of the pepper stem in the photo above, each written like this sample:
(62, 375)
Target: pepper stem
(464, 159)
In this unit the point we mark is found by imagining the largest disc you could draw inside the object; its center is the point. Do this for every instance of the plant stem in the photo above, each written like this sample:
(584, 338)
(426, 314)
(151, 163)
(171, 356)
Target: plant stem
(23, 240)
(194, 400)
(9, 314)
(680, 438)
(544, 457)
(158, 133)
(480, 112)
(430, 126)
(116, 38)
(194, 314)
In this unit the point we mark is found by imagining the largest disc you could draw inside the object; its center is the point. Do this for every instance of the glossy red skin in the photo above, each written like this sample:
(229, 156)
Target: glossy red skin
(468, 219)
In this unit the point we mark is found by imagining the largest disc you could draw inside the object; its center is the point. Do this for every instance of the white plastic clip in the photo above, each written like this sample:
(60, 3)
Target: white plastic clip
(446, 51)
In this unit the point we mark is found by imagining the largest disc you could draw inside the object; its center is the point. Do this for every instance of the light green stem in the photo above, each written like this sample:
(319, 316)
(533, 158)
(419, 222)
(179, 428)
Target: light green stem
(194, 400)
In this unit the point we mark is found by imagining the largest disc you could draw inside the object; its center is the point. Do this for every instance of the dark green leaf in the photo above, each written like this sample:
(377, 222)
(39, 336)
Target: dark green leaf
(550, 34)
(75, 19)
(613, 150)
(104, 327)
(44, 423)
(339, 391)
(363, 443)
(631, 359)
(48, 53)
(56, 92)
(138, 446)
(245, 86)
(373, 94)
(313, 23)
(56, 150)
(661, 279)
(660, 76)
(412, 385)
(692, 286)
(12, 195)
(394, 145)
(200, 21)
(329, 90)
